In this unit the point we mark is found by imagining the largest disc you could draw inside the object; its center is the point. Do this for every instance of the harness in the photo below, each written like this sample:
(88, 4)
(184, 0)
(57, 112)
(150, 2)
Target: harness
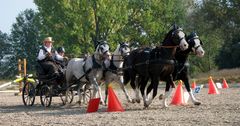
(95, 64)
(112, 68)
(180, 67)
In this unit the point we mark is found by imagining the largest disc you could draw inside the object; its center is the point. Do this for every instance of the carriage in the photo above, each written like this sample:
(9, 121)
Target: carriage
(84, 79)
(47, 88)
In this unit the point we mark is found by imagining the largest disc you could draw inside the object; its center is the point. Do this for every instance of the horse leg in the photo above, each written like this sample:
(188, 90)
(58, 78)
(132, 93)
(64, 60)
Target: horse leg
(168, 90)
(96, 89)
(137, 90)
(100, 95)
(187, 85)
(149, 89)
(154, 83)
(129, 99)
(142, 85)
(79, 92)
(133, 85)
(106, 91)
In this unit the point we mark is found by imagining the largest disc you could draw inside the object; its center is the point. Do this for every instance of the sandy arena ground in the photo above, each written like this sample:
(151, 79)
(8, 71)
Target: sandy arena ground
(218, 110)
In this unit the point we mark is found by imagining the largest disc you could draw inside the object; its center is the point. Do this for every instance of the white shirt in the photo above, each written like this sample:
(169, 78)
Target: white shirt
(42, 56)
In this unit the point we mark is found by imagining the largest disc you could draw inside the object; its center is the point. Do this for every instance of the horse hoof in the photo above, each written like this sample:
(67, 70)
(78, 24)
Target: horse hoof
(133, 101)
(101, 103)
(78, 102)
(161, 96)
(130, 101)
(197, 103)
(165, 106)
(138, 100)
(145, 106)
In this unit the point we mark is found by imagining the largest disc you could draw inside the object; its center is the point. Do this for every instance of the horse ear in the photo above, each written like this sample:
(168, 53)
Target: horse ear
(96, 43)
(175, 25)
(201, 42)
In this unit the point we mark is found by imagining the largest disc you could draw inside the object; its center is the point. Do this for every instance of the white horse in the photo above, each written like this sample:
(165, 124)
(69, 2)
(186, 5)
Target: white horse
(90, 69)
(114, 71)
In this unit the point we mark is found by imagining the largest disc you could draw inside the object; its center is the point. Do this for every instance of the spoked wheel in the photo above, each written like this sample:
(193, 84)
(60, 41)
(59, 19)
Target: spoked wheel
(46, 96)
(86, 93)
(28, 94)
(69, 96)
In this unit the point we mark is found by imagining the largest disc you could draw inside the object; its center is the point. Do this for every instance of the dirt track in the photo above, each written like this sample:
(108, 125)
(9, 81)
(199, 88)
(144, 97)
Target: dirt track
(222, 109)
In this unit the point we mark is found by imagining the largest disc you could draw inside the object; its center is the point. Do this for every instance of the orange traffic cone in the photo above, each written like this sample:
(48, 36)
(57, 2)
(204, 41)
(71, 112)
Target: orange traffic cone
(212, 87)
(113, 103)
(178, 98)
(225, 84)
(93, 105)
(194, 85)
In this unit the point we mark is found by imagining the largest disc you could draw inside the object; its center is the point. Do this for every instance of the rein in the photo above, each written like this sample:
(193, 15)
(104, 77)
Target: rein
(167, 46)
(151, 61)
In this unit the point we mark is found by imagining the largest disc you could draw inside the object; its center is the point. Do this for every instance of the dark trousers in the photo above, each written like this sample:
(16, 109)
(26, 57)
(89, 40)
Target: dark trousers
(49, 67)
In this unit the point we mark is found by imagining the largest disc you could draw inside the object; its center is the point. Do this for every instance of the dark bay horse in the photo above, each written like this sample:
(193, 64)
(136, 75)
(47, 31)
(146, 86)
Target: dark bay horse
(181, 71)
(157, 63)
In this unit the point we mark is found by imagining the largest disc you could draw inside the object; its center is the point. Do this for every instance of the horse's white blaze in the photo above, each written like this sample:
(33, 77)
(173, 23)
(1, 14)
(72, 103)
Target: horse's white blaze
(183, 43)
(199, 50)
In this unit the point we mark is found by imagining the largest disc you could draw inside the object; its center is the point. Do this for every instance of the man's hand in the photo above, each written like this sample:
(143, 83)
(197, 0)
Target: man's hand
(65, 58)
(48, 54)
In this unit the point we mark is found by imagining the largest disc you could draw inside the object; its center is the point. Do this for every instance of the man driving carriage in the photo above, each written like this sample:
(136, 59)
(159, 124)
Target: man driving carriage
(47, 58)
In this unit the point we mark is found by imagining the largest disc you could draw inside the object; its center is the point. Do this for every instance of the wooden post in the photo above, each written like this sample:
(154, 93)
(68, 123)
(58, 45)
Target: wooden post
(22, 70)
(25, 66)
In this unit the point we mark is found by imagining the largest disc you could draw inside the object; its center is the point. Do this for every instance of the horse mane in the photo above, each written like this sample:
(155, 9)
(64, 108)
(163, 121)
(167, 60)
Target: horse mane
(168, 35)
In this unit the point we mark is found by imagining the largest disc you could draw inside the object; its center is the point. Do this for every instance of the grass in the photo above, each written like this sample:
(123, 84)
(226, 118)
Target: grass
(231, 75)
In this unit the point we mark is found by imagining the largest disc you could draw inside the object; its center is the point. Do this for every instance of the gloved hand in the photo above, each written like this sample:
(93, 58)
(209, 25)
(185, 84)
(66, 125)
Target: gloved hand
(65, 58)
(48, 54)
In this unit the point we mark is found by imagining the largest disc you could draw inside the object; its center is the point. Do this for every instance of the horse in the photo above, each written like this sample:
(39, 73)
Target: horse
(181, 70)
(154, 63)
(89, 69)
(114, 69)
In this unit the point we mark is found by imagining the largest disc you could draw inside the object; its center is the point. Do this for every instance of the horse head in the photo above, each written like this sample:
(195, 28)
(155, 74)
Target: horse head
(134, 45)
(176, 36)
(103, 50)
(123, 49)
(195, 44)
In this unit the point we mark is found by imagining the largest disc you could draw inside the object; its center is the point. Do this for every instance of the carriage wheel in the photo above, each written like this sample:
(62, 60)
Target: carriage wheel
(86, 94)
(28, 94)
(70, 97)
(45, 96)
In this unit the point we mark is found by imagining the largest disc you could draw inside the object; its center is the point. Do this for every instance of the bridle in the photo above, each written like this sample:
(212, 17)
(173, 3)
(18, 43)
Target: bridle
(172, 35)
(195, 37)
(122, 54)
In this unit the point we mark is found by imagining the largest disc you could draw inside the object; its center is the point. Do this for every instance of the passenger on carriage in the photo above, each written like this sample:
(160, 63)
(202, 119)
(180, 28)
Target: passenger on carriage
(61, 52)
(46, 57)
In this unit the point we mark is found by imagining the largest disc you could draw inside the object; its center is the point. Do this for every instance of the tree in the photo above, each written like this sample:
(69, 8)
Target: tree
(25, 38)
(4, 44)
(79, 24)
(207, 20)
(149, 21)
(5, 54)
